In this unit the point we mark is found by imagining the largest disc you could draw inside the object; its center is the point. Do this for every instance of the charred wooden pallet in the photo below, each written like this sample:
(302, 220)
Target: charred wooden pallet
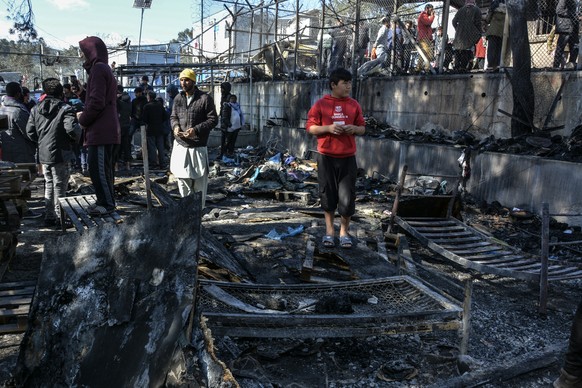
(15, 299)
(75, 209)
(385, 306)
(472, 249)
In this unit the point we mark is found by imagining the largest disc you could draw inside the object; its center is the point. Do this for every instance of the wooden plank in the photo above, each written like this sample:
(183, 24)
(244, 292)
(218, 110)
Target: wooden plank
(21, 291)
(20, 310)
(14, 300)
(12, 215)
(11, 285)
(79, 209)
(67, 210)
(163, 197)
(84, 203)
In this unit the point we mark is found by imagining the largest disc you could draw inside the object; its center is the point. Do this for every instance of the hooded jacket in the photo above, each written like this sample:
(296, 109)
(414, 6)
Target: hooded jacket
(99, 117)
(16, 147)
(154, 117)
(200, 114)
(467, 23)
(53, 125)
(124, 111)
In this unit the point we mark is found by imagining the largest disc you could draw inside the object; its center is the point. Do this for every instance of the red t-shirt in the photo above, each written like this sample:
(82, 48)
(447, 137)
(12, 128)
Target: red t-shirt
(329, 110)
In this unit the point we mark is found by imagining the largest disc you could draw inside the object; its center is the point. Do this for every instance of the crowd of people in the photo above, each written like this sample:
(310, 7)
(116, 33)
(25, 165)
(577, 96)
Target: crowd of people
(417, 45)
(91, 127)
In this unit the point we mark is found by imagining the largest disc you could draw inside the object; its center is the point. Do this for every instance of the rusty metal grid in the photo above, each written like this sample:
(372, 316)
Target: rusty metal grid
(404, 305)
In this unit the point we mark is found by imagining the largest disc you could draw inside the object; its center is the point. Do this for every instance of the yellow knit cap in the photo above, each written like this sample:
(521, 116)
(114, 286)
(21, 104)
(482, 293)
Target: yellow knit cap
(188, 73)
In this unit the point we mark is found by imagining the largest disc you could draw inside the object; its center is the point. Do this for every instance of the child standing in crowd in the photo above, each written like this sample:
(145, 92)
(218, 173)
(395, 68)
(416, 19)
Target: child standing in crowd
(335, 120)
(233, 120)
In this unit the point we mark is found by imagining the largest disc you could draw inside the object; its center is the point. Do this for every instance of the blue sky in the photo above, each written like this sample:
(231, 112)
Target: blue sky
(64, 22)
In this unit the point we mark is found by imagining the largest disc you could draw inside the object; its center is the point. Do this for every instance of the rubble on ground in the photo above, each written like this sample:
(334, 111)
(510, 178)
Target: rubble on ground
(255, 230)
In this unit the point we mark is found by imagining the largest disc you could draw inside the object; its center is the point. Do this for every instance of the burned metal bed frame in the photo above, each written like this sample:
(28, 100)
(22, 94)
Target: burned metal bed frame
(468, 247)
(403, 305)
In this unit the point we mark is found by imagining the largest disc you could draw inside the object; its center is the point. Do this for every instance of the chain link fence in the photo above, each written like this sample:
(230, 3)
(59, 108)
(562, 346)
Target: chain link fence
(304, 40)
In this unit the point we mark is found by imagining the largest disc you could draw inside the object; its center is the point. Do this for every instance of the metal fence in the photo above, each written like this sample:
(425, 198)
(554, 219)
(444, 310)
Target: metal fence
(306, 40)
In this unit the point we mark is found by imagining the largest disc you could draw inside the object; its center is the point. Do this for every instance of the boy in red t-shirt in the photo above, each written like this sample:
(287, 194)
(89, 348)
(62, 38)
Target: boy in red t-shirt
(335, 119)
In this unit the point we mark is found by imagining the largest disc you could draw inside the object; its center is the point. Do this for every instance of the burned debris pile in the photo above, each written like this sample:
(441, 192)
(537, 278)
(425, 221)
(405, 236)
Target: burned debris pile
(263, 271)
(542, 144)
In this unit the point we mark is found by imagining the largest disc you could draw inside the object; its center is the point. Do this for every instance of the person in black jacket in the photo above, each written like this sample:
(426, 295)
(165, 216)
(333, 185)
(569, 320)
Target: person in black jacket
(122, 152)
(224, 114)
(154, 117)
(54, 127)
(193, 117)
(136, 110)
(568, 27)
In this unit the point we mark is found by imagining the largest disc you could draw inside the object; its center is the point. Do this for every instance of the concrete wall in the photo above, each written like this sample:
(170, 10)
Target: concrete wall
(513, 180)
(448, 102)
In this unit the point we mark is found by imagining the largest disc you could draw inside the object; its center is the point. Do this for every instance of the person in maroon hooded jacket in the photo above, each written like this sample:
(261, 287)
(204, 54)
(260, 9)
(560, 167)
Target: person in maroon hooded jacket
(100, 123)
(336, 119)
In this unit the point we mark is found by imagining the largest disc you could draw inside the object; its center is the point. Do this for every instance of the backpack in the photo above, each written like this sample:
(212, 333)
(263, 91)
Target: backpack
(235, 120)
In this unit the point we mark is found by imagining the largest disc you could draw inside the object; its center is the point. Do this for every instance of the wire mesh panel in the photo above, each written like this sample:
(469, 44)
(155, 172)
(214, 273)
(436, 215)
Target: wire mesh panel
(304, 39)
(382, 306)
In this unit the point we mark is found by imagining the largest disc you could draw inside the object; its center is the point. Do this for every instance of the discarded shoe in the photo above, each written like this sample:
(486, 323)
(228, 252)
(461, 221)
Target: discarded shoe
(327, 241)
(345, 242)
(566, 380)
(98, 211)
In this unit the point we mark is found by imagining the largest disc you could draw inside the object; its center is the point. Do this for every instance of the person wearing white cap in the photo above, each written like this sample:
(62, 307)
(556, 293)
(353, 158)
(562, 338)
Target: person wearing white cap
(193, 117)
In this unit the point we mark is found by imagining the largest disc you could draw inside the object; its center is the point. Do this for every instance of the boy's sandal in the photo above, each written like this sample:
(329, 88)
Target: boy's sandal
(345, 242)
(327, 241)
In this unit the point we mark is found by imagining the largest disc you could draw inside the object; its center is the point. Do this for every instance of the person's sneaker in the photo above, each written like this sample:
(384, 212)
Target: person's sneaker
(566, 380)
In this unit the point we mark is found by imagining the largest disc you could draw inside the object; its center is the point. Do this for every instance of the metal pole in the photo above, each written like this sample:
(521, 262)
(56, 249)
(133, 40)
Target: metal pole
(139, 41)
(320, 44)
(466, 316)
(146, 166)
(355, 38)
(40, 61)
(275, 47)
(545, 253)
(252, 26)
(251, 102)
(201, 31)
(296, 38)
(502, 63)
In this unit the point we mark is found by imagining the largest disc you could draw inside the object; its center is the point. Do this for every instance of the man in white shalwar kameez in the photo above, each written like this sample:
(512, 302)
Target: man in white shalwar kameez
(193, 117)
